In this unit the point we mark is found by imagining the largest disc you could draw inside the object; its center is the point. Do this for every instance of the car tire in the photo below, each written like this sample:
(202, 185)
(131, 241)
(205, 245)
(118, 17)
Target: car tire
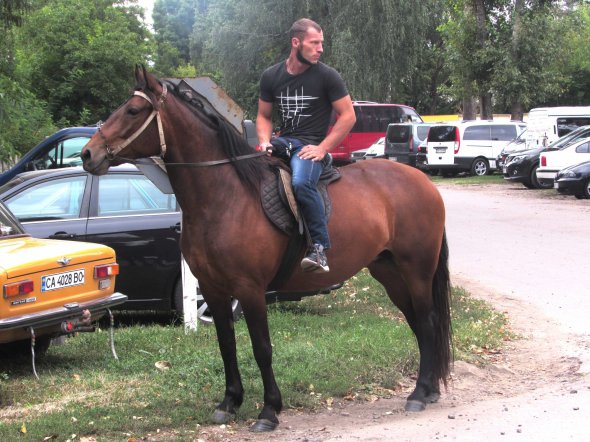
(204, 315)
(480, 167)
(535, 181)
(587, 189)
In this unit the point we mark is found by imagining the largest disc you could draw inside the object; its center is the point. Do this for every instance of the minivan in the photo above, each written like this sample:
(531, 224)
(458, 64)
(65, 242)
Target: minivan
(469, 146)
(402, 141)
(547, 124)
(371, 124)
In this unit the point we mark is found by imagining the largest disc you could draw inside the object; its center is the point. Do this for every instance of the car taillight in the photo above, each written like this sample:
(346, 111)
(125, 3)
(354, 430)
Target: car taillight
(411, 145)
(457, 140)
(543, 161)
(18, 288)
(106, 270)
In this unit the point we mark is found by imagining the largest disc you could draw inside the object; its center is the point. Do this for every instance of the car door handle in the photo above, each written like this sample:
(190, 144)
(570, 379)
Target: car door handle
(62, 235)
(176, 227)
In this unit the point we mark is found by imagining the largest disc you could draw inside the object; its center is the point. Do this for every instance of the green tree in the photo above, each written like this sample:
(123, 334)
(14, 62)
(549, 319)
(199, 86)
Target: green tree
(173, 25)
(79, 56)
(23, 118)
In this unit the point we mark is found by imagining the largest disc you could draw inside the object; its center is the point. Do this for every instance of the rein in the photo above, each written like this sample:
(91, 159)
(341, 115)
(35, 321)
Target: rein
(113, 151)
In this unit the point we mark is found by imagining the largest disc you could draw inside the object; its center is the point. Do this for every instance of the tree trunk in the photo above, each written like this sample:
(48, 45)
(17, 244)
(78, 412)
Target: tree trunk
(516, 110)
(485, 97)
(469, 112)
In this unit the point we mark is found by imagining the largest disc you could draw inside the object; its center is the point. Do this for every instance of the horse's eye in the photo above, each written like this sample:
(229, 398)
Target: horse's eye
(133, 111)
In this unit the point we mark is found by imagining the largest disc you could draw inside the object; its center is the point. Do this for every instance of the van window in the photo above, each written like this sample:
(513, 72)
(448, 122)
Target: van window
(583, 148)
(377, 118)
(503, 132)
(442, 134)
(398, 134)
(477, 133)
(567, 124)
(422, 132)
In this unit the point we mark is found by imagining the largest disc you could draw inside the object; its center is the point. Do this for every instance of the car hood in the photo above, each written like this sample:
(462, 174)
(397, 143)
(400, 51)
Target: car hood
(23, 255)
(578, 168)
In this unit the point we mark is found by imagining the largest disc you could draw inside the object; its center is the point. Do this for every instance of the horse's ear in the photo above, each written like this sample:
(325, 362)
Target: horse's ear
(140, 77)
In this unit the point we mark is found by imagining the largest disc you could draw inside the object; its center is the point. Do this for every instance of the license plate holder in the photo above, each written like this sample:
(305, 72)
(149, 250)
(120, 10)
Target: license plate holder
(62, 280)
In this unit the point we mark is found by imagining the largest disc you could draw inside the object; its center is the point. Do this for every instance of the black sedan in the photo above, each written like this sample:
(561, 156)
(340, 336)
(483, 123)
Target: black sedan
(574, 180)
(123, 210)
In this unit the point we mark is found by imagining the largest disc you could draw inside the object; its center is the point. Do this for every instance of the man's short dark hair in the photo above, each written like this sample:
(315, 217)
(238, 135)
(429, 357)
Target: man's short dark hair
(300, 27)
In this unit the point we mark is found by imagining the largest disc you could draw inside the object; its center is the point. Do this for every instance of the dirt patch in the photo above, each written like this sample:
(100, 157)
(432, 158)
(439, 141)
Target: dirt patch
(520, 368)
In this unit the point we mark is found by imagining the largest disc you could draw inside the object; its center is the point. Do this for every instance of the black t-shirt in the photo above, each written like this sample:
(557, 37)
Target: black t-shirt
(304, 101)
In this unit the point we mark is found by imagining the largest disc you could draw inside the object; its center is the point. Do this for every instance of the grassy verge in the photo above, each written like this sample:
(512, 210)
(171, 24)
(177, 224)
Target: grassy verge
(471, 179)
(350, 343)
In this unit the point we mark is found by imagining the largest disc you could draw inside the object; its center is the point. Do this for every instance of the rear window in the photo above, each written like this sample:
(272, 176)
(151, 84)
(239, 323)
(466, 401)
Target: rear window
(442, 133)
(399, 134)
(566, 125)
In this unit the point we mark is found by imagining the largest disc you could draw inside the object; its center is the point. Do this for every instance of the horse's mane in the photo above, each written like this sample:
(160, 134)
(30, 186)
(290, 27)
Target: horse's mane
(250, 171)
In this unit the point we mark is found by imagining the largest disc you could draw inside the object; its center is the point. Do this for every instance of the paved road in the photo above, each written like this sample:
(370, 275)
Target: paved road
(536, 249)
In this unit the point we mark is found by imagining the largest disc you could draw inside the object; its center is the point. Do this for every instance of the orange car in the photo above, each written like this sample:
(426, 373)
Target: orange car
(50, 287)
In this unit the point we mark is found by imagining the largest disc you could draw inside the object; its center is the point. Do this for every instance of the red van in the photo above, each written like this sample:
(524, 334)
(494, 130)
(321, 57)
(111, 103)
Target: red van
(371, 124)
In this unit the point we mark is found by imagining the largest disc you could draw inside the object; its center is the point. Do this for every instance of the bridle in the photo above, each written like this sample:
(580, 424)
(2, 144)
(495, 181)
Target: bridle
(113, 151)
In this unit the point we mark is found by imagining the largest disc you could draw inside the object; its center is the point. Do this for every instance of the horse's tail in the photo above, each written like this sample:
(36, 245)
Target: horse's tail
(441, 295)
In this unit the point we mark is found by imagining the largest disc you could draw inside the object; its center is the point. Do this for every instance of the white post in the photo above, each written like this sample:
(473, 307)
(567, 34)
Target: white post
(189, 298)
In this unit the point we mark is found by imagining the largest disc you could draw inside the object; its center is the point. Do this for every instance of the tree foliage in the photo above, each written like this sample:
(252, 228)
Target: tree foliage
(79, 56)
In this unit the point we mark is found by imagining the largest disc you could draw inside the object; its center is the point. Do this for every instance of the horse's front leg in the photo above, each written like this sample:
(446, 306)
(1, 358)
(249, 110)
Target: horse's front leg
(234, 391)
(256, 317)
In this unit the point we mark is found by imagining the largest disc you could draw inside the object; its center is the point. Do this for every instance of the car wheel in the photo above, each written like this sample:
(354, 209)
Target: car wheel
(539, 184)
(480, 167)
(203, 313)
(587, 189)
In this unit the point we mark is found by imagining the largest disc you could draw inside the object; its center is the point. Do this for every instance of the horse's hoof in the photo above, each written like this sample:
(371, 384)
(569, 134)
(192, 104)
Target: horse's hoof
(414, 405)
(432, 398)
(263, 426)
(222, 417)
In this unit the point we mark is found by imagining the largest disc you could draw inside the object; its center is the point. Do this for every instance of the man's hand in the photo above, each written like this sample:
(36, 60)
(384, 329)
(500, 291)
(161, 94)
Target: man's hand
(312, 152)
(265, 147)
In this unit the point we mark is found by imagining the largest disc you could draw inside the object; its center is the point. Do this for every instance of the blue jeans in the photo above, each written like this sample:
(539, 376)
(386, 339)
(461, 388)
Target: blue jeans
(305, 177)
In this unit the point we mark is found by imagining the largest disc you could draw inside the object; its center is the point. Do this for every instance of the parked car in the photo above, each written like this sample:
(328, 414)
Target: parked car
(123, 210)
(375, 150)
(518, 144)
(521, 166)
(574, 180)
(62, 149)
(468, 146)
(402, 141)
(552, 162)
(50, 288)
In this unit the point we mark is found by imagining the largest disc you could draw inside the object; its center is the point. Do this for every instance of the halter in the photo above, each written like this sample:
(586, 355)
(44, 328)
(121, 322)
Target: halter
(113, 151)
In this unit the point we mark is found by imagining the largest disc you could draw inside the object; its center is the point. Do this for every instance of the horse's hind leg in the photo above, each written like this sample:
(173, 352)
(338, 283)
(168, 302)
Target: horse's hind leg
(412, 295)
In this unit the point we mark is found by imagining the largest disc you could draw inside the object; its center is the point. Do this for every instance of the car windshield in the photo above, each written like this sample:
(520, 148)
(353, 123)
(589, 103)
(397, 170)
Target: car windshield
(9, 226)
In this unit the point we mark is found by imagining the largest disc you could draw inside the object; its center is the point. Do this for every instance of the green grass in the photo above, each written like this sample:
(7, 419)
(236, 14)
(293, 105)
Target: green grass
(351, 343)
(464, 179)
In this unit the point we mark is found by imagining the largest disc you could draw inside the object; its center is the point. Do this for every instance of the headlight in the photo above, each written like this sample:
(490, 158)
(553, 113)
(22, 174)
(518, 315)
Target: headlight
(567, 174)
(516, 160)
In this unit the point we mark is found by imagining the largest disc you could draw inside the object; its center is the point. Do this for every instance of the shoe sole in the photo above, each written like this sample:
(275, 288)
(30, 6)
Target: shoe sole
(310, 266)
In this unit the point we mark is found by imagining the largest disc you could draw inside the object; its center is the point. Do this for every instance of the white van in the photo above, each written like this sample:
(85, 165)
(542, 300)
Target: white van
(547, 124)
(469, 146)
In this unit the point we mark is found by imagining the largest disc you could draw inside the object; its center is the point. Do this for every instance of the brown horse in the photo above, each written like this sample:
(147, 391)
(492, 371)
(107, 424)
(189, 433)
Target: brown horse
(385, 216)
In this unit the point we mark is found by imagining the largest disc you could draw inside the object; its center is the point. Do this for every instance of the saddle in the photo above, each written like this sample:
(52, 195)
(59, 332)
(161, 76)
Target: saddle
(281, 208)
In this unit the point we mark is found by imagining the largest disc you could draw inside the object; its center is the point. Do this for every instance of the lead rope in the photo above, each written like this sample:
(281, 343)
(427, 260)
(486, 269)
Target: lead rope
(112, 334)
(33, 352)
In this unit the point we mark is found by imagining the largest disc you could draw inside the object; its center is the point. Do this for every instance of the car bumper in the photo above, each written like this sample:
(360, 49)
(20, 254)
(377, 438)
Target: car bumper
(546, 174)
(53, 318)
(570, 186)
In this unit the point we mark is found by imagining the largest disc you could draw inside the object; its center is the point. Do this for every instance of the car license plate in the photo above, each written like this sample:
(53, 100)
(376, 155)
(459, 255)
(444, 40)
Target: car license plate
(504, 169)
(440, 149)
(62, 280)
(555, 185)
